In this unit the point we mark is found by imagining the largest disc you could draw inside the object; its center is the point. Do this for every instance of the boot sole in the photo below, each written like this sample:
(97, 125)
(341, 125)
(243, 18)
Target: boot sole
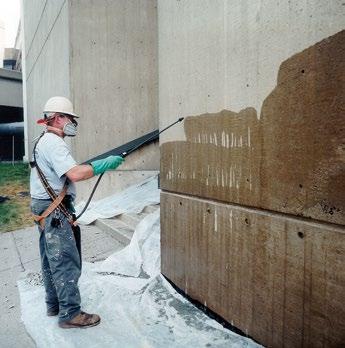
(74, 326)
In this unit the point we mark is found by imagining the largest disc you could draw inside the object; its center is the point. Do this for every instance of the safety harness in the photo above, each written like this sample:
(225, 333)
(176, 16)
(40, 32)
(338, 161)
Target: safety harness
(57, 199)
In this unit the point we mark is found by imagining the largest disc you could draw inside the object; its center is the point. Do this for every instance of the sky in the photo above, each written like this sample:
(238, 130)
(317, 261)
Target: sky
(9, 15)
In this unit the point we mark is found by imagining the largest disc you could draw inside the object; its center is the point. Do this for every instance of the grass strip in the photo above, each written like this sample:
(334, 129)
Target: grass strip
(14, 184)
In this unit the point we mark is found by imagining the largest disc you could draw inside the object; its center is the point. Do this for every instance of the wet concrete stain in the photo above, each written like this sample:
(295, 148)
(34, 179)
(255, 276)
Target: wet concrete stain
(279, 280)
(291, 159)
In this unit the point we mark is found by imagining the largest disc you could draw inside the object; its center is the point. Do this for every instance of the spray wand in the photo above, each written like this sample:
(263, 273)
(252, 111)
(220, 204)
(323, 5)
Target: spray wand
(123, 155)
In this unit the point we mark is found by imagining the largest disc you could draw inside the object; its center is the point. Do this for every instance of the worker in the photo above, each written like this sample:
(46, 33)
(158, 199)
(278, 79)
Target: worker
(52, 189)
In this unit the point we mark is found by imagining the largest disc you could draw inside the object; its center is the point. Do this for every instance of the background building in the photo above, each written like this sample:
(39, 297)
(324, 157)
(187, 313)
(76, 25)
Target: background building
(11, 100)
(18, 45)
(2, 42)
(11, 116)
(10, 58)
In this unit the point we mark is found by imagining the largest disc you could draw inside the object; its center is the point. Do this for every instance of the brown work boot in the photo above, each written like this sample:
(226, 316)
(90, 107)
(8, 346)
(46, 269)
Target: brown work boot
(82, 320)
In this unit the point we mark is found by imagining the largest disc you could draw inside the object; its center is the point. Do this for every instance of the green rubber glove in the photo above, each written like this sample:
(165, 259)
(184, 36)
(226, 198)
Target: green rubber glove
(104, 164)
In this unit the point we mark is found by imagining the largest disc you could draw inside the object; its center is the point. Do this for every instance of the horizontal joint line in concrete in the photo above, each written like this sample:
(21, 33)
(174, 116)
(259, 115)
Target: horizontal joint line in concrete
(312, 222)
(136, 170)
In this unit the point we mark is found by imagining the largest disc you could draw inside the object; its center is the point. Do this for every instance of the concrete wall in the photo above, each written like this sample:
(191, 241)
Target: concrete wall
(252, 209)
(11, 88)
(113, 72)
(46, 55)
(103, 56)
(222, 54)
(114, 83)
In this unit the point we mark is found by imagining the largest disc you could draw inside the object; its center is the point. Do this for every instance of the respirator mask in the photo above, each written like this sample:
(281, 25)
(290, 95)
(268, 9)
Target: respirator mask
(70, 128)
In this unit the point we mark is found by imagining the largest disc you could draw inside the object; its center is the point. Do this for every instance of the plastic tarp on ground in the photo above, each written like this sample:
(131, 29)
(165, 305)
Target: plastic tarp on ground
(138, 307)
(131, 200)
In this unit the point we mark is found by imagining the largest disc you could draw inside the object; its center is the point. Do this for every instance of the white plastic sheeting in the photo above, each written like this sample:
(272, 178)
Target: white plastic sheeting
(131, 200)
(138, 307)
(142, 254)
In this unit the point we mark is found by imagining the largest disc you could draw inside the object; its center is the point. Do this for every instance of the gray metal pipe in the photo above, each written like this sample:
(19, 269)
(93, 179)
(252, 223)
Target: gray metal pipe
(14, 128)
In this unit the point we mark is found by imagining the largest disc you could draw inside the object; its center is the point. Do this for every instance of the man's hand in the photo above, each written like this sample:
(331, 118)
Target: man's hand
(108, 163)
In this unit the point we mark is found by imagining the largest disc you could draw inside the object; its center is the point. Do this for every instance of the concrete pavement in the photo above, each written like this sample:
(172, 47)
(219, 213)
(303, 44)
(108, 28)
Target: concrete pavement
(19, 255)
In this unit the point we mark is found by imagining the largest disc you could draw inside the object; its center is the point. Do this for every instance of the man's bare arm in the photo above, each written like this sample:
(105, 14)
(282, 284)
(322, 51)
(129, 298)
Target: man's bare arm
(80, 172)
(86, 171)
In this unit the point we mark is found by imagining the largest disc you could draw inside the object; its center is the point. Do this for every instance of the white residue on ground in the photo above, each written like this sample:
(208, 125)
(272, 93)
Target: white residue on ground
(138, 307)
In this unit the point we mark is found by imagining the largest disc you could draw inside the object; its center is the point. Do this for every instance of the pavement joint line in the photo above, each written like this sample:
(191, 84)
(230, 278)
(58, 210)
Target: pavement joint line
(22, 265)
(18, 254)
(103, 252)
(26, 262)
(8, 268)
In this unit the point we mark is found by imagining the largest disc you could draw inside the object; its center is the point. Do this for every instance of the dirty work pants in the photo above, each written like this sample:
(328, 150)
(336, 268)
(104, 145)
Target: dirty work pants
(60, 261)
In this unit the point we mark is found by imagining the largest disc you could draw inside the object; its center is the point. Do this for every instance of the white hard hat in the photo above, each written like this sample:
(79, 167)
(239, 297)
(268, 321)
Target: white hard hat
(61, 105)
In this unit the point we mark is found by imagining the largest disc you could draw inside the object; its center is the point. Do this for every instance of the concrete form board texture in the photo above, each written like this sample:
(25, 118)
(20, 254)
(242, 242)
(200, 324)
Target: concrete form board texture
(102, 55)
(221, 54)
(264, 84)
(290, 160)
(46, 55)
(279, 280)
(114, 58)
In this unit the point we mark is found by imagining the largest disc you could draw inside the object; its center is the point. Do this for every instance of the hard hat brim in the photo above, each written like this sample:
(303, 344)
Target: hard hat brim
(65, 113)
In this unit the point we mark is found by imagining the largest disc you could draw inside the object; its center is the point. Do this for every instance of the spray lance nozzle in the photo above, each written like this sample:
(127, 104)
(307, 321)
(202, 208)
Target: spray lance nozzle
(125, 154)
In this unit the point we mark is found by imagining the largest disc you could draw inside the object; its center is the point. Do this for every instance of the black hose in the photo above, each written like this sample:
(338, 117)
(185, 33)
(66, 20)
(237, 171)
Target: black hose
(91, 195)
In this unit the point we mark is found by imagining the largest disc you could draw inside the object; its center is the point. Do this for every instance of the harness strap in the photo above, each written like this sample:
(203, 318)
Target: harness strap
(41, 218)
(49, 189)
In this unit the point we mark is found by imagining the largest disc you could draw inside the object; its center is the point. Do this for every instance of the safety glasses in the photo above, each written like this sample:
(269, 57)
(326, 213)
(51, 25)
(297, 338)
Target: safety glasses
(71, 118)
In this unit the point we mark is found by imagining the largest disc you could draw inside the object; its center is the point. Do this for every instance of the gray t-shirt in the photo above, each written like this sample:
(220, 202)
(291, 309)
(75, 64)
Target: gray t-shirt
(54, 159)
